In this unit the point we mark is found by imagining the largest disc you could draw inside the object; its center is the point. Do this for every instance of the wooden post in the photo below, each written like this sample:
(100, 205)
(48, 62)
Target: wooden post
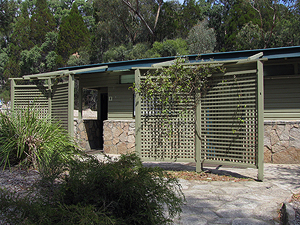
(199, 163)
(137, 114)
(71, 105)
(12, 94)
(260, 122)
(80, 96)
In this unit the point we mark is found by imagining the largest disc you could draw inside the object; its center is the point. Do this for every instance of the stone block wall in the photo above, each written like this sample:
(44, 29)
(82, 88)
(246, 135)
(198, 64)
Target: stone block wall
(88, 133)
(281, 138)
(282, 142)
(119, 136)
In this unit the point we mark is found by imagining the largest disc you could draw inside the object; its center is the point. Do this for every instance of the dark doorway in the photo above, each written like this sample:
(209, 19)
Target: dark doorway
(103, 114)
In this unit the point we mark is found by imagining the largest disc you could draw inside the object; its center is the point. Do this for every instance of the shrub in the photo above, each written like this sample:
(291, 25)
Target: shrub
(114, 192)
(126, 188)
(26, 139)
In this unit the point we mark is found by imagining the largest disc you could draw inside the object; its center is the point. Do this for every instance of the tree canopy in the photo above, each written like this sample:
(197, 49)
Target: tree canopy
(42, 35)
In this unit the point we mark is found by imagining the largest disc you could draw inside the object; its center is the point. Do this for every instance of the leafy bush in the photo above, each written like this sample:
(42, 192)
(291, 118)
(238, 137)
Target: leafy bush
(126, 188)
(28, 140)
(114, 192)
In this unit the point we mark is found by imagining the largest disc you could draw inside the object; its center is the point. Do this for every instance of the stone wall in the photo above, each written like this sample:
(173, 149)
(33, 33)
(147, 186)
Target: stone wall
(119, 136)
(281, 138)
(88, 133)
(282, 142)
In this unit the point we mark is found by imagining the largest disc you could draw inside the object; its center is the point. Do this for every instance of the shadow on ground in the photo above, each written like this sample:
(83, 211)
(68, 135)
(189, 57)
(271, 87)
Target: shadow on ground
(174, 166)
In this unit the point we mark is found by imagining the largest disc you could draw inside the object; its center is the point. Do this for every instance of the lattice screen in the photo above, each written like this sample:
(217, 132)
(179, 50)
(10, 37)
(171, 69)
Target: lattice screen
(47, 102)
(60, 103)
(228, 117)
(167, 136)
(229, 129)
(34, 96)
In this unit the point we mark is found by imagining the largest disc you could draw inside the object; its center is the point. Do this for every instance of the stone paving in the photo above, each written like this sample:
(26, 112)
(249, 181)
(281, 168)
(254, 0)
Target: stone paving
(244, 202)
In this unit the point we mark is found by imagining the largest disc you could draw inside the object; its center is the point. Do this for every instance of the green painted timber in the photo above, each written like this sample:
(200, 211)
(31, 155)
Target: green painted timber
(49, 97)
(260, 121)
(226, 128)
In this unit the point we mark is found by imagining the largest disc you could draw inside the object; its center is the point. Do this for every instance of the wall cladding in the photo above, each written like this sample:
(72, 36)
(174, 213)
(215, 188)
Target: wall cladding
(119, 136)
(282, 141)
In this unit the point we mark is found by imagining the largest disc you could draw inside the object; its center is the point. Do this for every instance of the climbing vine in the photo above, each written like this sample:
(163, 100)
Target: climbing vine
(176, 84)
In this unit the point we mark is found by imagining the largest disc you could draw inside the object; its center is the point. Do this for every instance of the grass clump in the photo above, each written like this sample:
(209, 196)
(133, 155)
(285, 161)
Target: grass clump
(91, 192)
(30, 141)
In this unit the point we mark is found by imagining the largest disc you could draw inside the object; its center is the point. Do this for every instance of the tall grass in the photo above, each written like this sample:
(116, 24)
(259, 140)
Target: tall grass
(30, 141)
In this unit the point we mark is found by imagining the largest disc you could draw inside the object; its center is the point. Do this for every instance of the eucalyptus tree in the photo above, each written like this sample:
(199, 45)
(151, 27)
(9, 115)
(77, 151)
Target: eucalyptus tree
(201, 38)
(240, 14)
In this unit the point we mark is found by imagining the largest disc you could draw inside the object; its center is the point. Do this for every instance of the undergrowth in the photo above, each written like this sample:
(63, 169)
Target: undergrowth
(87, 191)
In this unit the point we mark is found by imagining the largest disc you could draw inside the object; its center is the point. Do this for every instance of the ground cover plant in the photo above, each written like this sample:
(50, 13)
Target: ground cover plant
(91, 192)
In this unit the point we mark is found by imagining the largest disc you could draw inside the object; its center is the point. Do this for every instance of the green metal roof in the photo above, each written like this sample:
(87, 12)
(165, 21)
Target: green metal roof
(270, 53)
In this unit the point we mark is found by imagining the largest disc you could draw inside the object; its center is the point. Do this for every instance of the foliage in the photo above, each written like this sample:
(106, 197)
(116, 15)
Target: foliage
(73, 34)
(3, 61)
(116, 54)
(40, 58)
(113, 192)
(192, 12)
(28, 140)
(249, 37)
(240, 14)
(201, 39)
(41, 22)
(178, 83)
(177, 47)
(81, 57)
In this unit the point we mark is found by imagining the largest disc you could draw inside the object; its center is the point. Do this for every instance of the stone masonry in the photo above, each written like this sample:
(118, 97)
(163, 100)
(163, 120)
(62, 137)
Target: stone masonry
(119, 136)
(88, 133)
(281, 138)
(282, 142)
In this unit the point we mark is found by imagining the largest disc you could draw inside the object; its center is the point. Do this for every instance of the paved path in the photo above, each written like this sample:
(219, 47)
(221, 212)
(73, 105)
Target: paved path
(244, 202)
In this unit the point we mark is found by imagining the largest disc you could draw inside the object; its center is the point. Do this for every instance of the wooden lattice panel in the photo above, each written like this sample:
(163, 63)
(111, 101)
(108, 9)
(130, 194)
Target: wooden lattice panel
(229, 130)
(34, 97)
(60, 103)
(167, 135)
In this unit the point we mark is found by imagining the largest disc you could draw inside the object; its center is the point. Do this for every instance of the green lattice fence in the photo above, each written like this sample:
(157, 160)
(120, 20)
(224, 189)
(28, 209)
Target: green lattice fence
(50, 97)
(167, 135)
(226, 127)
(34, 96)
(229, 128)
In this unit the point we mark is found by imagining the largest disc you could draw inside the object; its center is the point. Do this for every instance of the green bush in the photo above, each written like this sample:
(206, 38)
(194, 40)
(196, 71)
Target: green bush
(126, 188)
(30, 141)
(115, 192)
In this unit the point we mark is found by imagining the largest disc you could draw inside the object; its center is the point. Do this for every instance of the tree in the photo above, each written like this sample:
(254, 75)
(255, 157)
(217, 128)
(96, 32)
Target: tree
(8, 9)
(73, 34)
(201, 39)
(81, 57)
(170, 21)
(240, 14)
(41, 22)
(192, 12)
(218, 16)
(42, 58)
(177, 47)
(249, 37)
